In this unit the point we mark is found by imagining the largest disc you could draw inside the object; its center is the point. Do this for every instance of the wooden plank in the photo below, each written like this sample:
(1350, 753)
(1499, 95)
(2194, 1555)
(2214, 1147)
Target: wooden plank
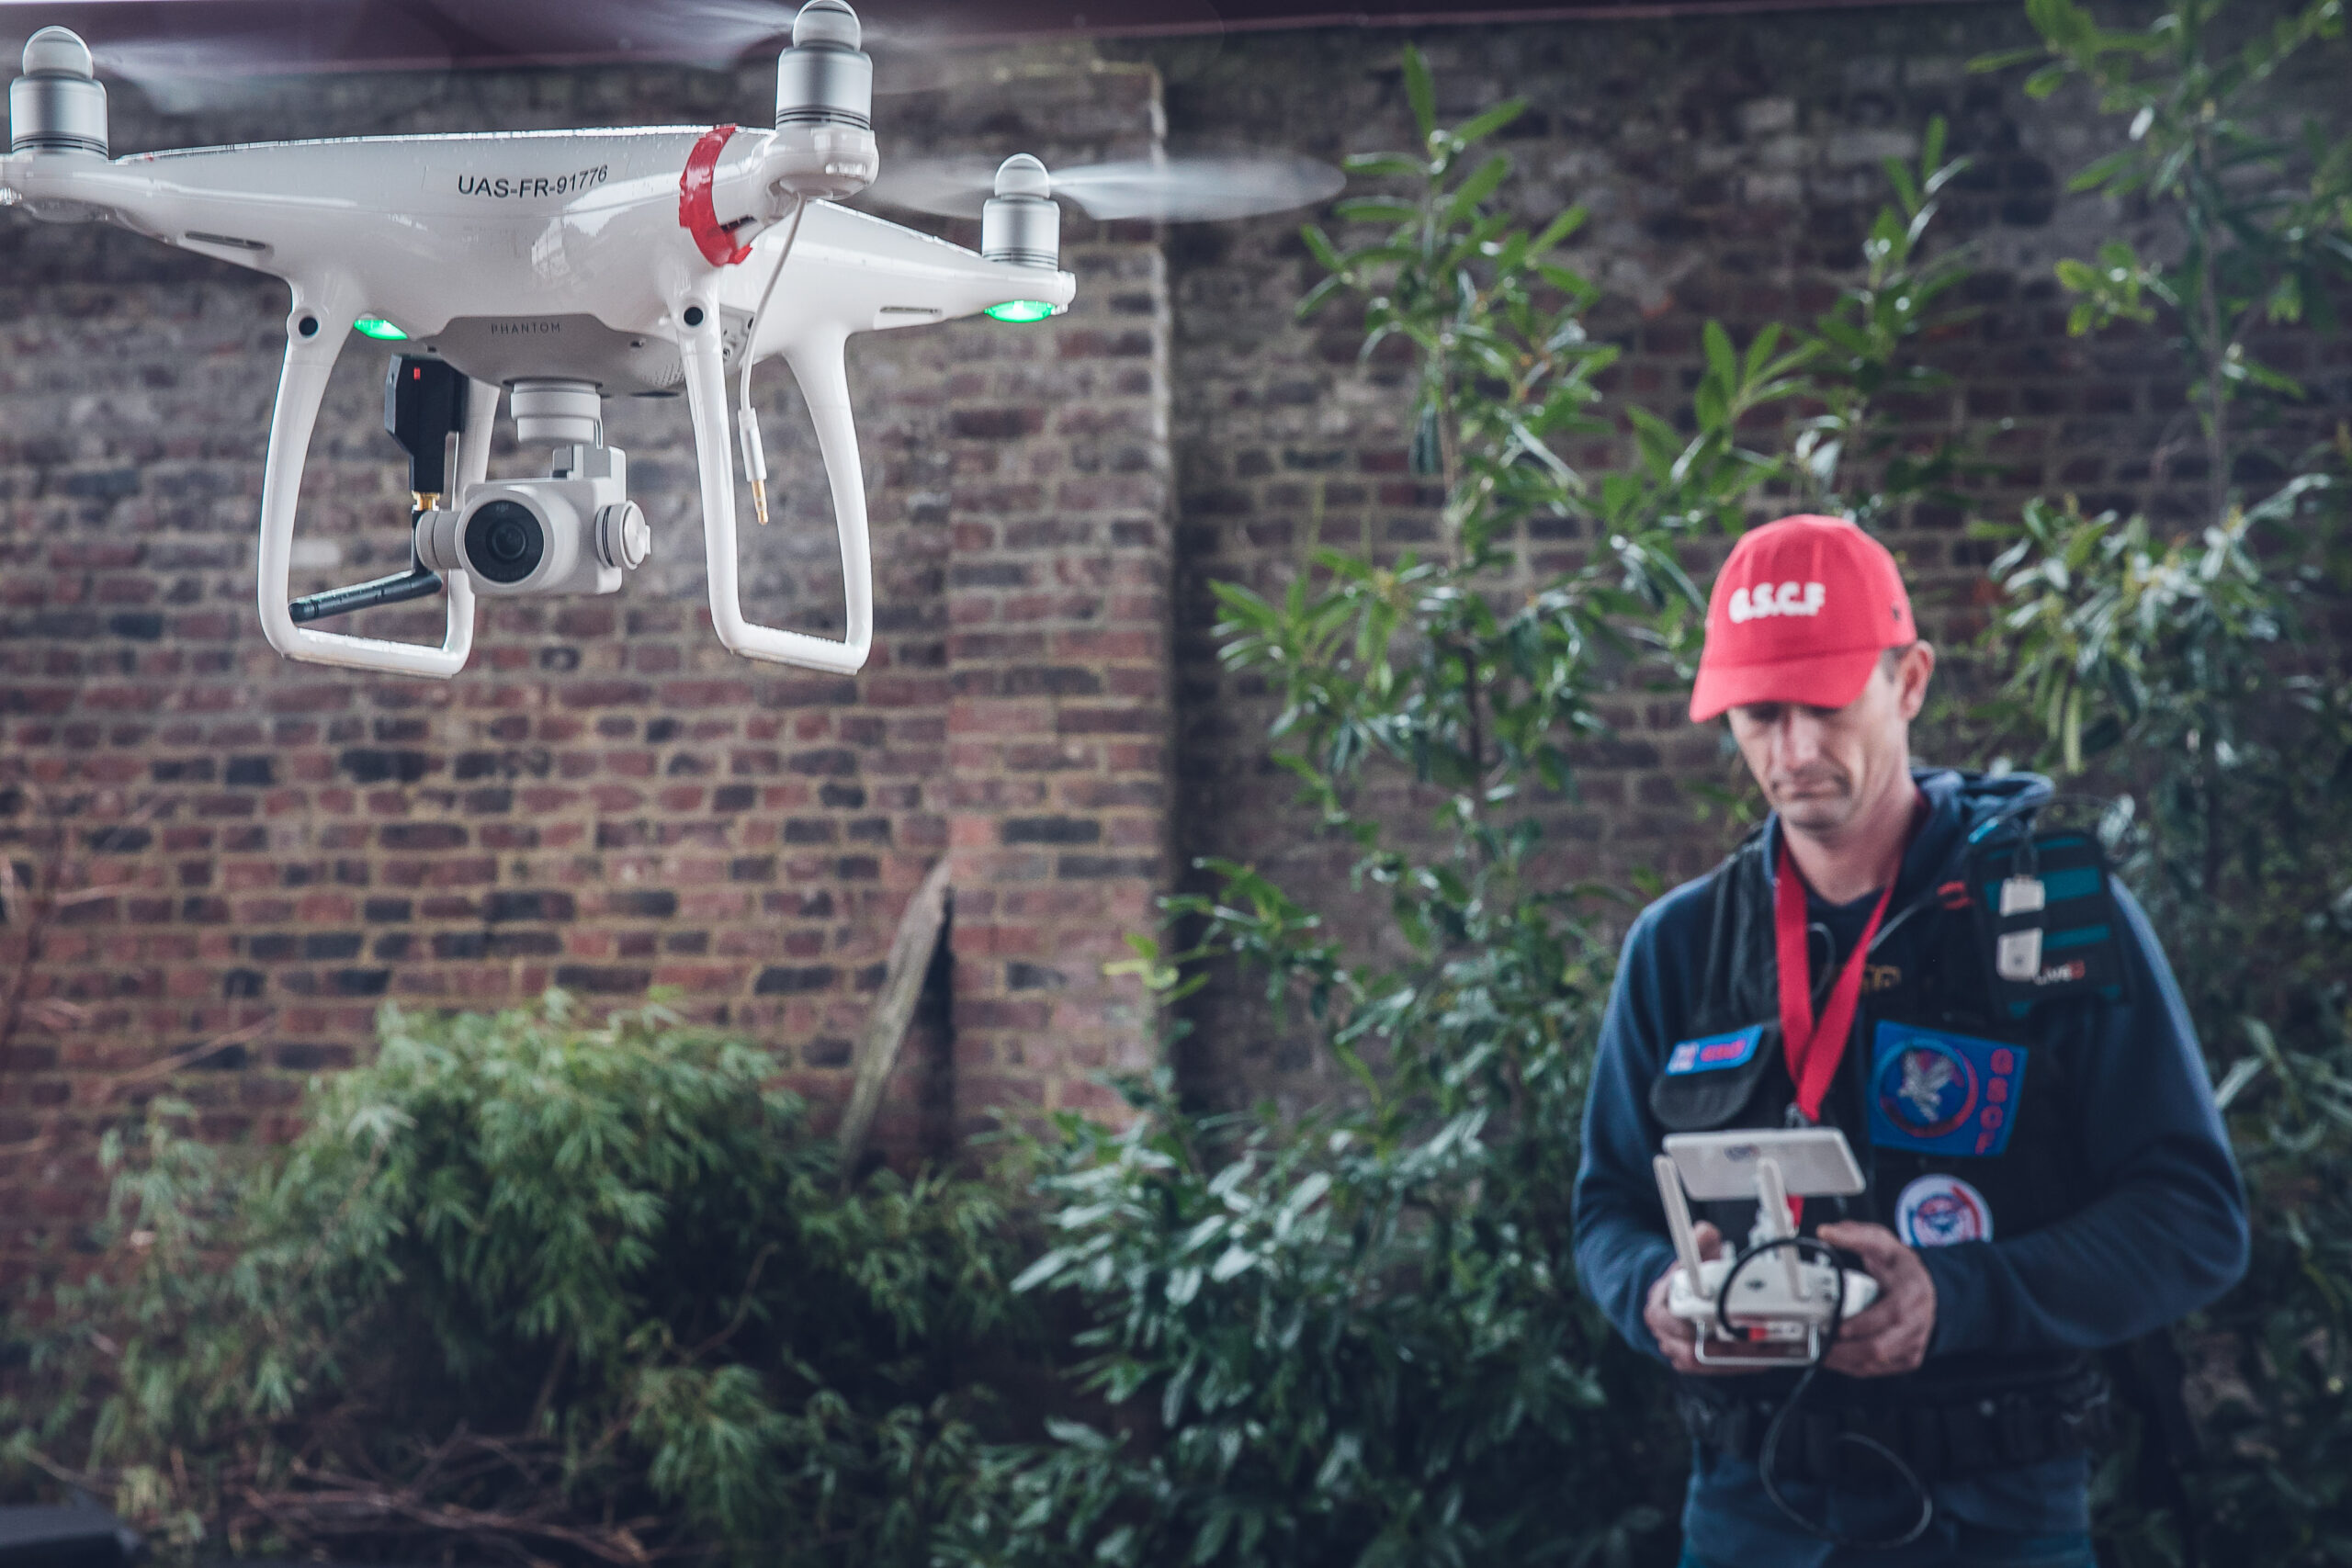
(876, 1055)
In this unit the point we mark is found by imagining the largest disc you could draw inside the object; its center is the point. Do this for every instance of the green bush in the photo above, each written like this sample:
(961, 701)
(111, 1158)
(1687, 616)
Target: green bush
(529, 1283)
(1343, 1352)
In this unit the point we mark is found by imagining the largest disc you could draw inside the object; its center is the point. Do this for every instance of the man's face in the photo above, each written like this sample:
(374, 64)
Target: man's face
(1818, 767)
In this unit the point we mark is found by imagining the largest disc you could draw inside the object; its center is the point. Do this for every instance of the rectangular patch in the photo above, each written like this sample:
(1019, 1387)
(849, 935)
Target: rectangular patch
(2058, 887)
(1714, 1052)
(1937, 1093)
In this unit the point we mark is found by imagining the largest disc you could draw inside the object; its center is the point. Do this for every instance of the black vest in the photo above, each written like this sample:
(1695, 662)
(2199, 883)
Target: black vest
(1933, 970)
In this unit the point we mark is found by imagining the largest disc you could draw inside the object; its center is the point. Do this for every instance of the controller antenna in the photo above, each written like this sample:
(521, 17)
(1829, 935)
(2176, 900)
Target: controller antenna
(1678, 1225)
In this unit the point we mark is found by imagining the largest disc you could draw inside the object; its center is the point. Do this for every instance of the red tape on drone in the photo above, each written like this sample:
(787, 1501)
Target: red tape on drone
(696, 215)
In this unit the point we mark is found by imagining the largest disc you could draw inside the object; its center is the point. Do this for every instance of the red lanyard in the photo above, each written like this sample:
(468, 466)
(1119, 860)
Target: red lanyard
(1814, 1052)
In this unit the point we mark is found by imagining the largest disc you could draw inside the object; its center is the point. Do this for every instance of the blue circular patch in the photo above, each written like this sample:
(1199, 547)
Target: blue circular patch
(1927, 1089)
(1940, 1210)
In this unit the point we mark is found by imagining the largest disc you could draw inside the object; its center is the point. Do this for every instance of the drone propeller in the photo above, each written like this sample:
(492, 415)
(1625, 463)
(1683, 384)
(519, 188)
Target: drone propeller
(191, 58)
(1181, 189)
(182, 76)
(197, 54)
(713, 33)
(917, 45)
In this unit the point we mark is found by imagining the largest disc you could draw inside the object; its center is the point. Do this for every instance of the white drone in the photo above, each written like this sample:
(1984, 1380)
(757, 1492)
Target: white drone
(558, 268)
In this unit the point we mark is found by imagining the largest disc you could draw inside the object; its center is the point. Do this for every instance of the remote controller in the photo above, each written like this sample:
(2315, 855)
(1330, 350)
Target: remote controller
(1782, 1303)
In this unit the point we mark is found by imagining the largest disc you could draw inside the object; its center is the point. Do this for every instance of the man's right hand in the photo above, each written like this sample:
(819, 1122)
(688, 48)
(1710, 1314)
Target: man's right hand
(1677, 1337)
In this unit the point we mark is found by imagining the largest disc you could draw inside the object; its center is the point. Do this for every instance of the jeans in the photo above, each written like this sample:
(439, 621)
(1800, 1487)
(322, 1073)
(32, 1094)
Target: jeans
(1956, 1544)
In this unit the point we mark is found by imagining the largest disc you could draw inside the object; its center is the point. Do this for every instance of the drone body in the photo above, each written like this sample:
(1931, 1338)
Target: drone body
(554, 269)
(548, 254)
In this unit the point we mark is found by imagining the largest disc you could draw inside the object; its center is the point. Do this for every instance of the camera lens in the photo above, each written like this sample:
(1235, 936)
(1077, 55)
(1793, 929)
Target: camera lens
(504, 541)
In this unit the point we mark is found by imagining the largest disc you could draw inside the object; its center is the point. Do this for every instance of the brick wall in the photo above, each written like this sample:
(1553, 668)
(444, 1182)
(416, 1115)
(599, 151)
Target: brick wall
(609, 801)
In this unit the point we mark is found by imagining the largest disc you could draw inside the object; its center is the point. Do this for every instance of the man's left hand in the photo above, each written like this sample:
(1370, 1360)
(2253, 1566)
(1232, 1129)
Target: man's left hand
(1891, 1336)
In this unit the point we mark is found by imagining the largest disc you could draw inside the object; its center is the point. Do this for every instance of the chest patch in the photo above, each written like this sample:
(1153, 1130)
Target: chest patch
(1941, 1211)
(1714, 1052)
(1943, 1094)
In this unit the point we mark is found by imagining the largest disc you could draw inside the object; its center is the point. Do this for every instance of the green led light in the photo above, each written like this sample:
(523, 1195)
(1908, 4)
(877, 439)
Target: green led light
(1021, 311)
(377, 327)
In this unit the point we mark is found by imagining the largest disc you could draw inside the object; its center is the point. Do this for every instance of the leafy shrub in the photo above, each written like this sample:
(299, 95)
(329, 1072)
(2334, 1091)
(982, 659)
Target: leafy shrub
(1343, 1355)
(528, 1283)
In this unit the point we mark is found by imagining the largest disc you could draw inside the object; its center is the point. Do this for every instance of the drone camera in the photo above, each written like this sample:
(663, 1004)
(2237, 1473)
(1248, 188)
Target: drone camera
(58, 105)
(1019, 223)
(575, 532)
(825, 106)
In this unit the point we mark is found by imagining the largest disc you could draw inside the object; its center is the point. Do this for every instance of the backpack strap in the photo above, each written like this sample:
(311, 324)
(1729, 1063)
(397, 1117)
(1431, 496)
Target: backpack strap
(1735, 984)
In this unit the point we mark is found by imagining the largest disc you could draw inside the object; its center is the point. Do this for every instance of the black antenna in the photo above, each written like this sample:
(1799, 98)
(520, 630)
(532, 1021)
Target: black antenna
(425, 403)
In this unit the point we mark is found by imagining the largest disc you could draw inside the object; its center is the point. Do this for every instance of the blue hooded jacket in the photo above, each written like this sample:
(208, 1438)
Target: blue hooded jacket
(2162, 1233)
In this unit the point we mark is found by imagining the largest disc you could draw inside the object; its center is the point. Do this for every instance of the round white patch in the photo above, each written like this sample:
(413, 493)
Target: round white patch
(1937, 1211)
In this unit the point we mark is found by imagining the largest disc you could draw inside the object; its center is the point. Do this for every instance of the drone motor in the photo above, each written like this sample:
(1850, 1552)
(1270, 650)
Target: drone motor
(1021, 223)
(825, 106)
(58, 105)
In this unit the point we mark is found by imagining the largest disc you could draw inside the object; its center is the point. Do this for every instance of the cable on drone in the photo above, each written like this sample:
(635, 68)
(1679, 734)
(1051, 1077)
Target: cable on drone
(1821, 1251)
(747, 423)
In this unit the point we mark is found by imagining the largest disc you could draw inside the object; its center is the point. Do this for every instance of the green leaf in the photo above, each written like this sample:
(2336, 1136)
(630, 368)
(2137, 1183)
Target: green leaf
(2002, 60)
(1558, 230)
(1378, 209)
(1320, 295)
(1722, 363)
(1481, 185)
(1906, 189)
(2046, 81)
(2101, 171)
(1480, 126)
(1421, 92)
(1319, 246)
(2078, 277)
(1233, 1261)
(1385, 165)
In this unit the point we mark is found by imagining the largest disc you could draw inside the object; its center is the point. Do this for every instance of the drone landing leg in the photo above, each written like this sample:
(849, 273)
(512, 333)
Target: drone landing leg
(310, 358)
(818, 365)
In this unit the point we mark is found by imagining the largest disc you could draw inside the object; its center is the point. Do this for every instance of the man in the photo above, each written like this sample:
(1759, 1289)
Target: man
(1989, 1021)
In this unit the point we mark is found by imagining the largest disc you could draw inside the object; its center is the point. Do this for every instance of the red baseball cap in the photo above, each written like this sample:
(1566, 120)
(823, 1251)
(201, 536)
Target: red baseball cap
(1800, 614)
